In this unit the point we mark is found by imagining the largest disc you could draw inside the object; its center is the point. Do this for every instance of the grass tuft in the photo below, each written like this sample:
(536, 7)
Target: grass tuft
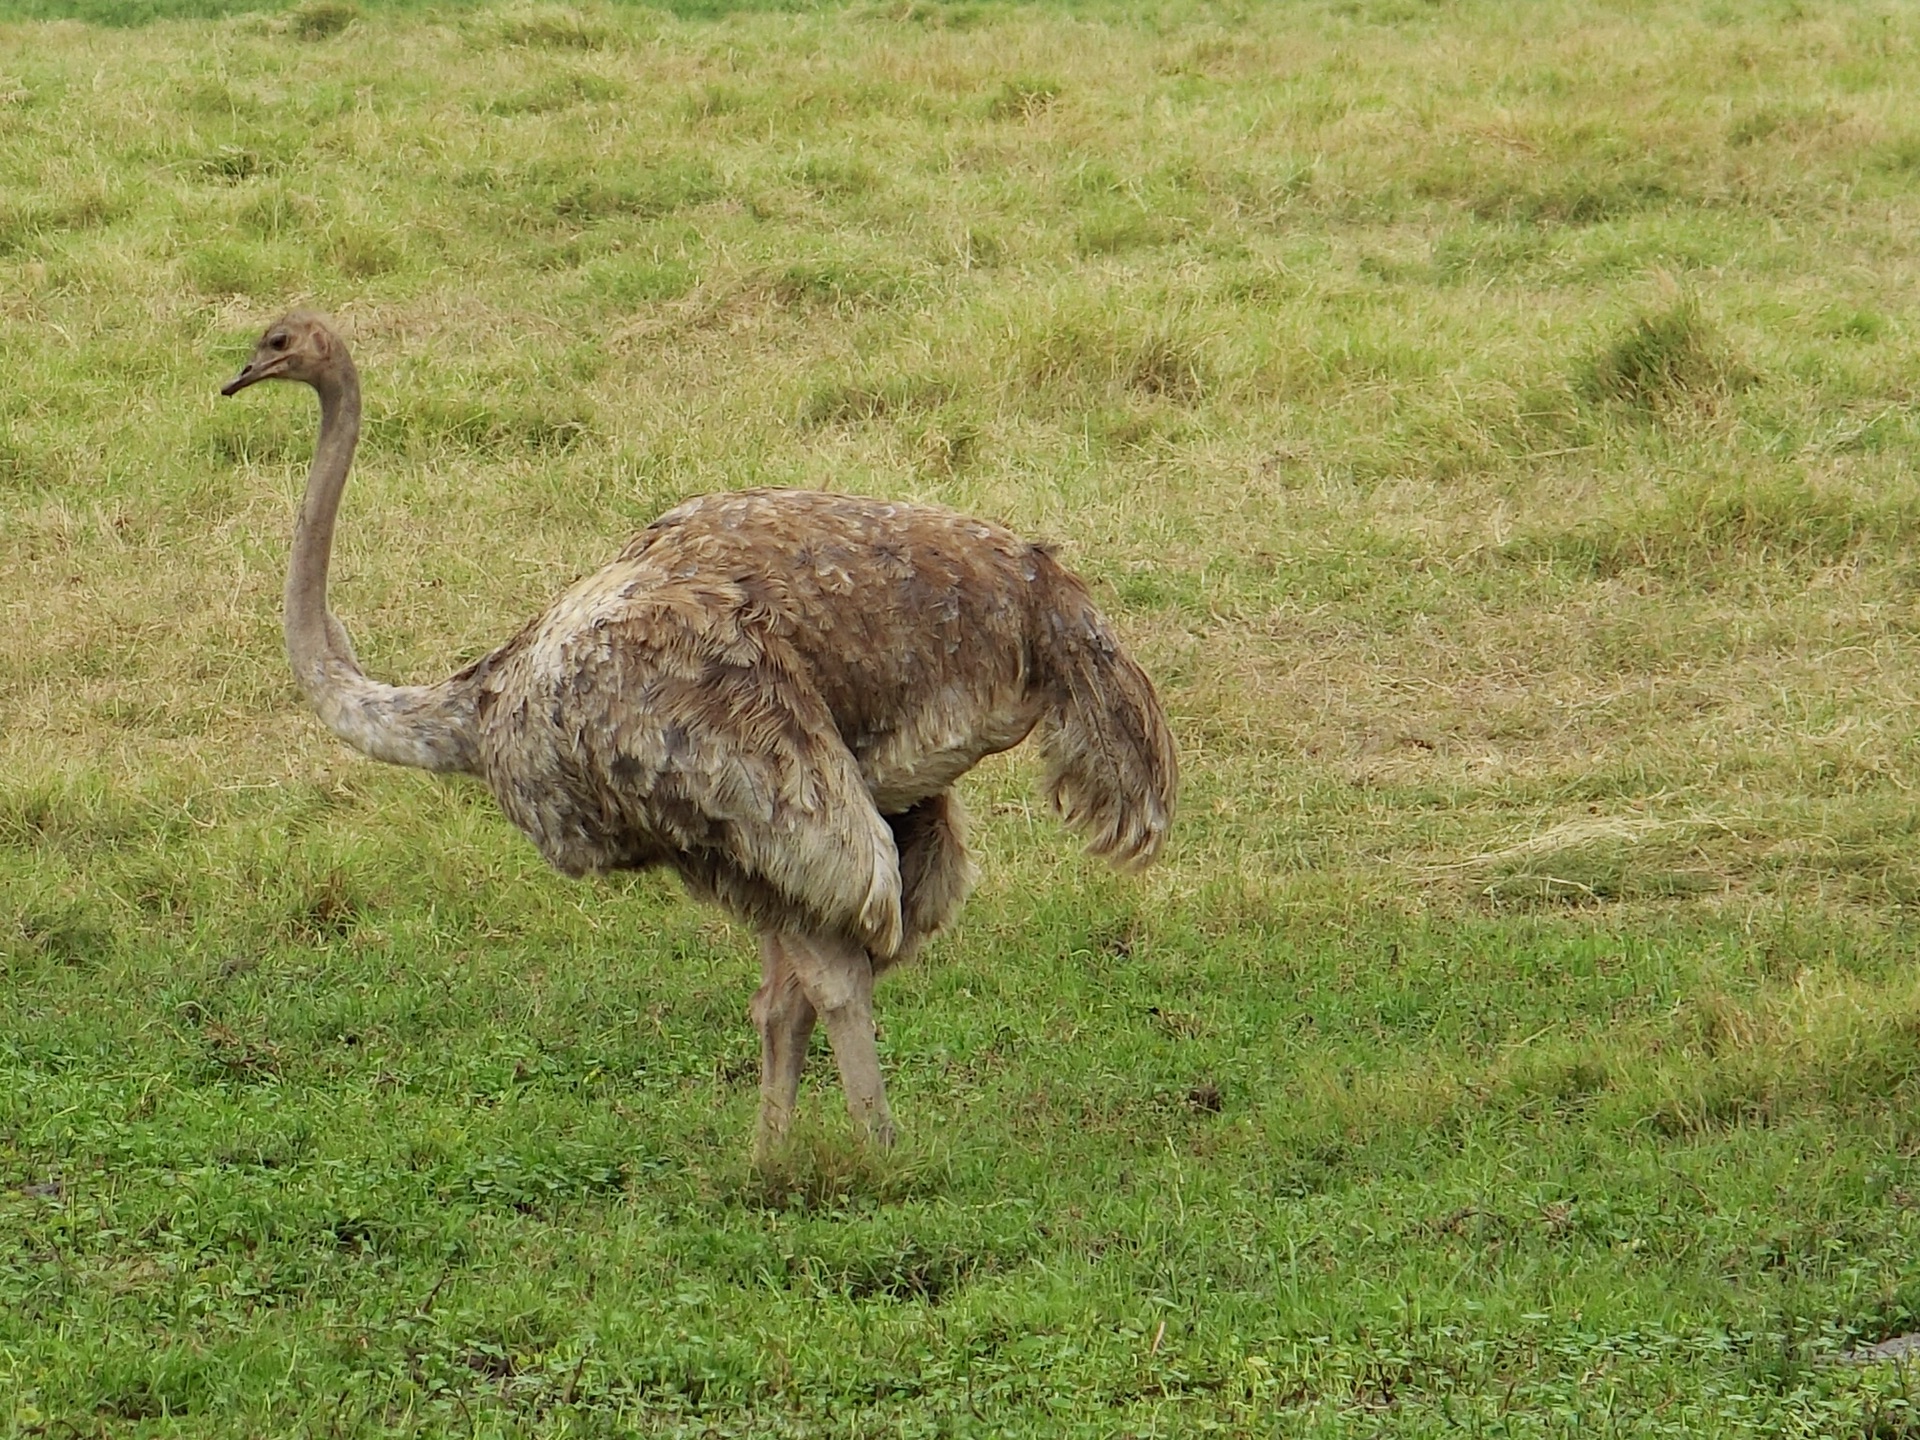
(1661, 358)
(538, 424)
(1023, 98)
(820, 1171)
(71, 934)
(320, 19)
(857, 402)
(1694, 527)
(554, 27)
(1089, 354)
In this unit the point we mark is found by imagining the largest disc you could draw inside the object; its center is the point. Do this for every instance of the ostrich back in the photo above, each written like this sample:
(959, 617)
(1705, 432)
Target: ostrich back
(758, 680)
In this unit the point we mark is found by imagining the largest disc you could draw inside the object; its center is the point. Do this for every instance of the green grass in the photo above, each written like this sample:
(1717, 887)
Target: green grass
(1494, 426)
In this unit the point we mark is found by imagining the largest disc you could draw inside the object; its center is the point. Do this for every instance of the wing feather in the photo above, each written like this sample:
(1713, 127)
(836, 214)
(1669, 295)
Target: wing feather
(713, 740)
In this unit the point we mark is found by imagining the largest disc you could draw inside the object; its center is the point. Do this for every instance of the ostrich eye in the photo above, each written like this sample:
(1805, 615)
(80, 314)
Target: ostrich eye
(278, 342)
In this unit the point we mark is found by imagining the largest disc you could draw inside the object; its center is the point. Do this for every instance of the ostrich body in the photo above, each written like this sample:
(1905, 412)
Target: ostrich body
(770, 692)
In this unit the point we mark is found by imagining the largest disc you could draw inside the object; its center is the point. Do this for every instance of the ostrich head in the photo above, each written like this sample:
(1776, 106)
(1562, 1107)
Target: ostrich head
(298, 346)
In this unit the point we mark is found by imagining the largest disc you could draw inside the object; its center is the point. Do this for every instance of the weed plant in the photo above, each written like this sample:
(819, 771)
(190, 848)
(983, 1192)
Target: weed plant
(1495, 427)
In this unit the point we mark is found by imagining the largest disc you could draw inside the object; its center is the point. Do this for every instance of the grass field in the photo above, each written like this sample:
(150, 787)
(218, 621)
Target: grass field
(1495, 426)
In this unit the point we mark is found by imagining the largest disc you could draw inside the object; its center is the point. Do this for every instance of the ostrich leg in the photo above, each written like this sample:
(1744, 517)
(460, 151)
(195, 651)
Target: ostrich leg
(836, 977)
(784, 1017)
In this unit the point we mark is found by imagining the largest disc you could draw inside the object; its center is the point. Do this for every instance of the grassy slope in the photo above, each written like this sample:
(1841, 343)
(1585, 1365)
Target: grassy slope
(1497, 431)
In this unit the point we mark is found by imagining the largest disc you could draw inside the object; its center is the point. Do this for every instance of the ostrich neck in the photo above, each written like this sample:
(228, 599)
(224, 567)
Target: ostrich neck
(310, 641)
(430, 727)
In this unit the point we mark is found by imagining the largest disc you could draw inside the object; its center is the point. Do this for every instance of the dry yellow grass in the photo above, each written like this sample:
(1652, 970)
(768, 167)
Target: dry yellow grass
(1277, 326)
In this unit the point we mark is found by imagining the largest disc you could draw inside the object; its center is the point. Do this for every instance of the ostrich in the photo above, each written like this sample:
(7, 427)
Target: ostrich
(771, 692)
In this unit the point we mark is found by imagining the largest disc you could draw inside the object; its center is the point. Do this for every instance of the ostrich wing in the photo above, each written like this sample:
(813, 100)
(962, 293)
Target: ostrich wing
(709, 738)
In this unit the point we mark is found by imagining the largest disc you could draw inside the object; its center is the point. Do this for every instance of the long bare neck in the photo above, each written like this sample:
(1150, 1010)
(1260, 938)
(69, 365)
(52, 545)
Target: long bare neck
(430, 727)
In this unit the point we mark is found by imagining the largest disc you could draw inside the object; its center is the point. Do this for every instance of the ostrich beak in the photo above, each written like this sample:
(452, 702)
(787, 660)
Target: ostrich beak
(249, 374)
